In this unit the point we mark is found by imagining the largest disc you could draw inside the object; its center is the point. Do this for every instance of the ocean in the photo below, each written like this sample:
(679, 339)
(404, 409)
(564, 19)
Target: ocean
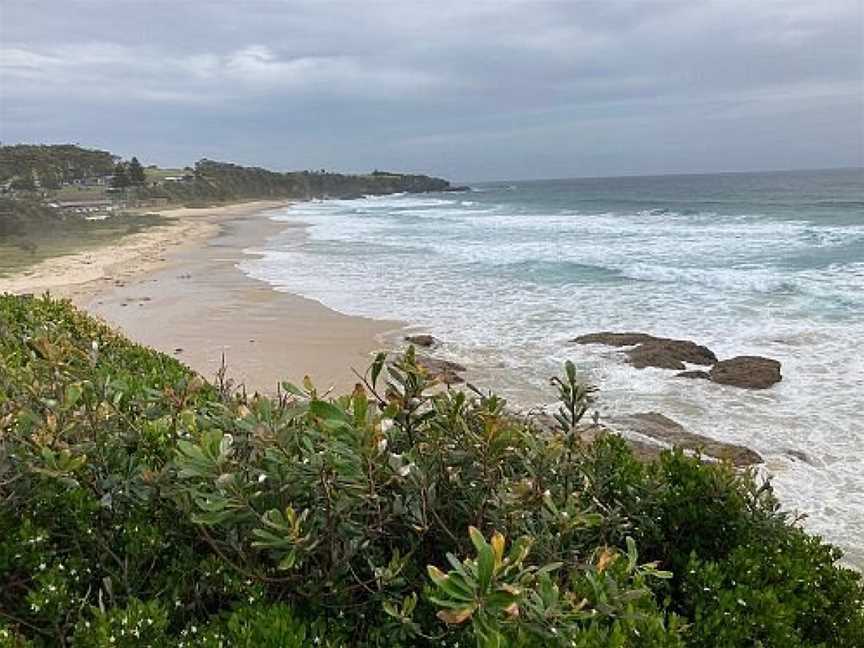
(746, 263)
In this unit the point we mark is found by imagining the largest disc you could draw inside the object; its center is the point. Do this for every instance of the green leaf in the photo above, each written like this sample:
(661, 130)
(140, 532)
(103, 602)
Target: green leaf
(288, 561)
(477, 538)
(438, 577)
(291, 388)
(485, 567)
(73, 394)
(328, 412)
(377, 365)
(456, 588)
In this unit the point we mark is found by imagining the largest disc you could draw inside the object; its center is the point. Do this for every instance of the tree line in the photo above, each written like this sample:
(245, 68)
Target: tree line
(128, 174)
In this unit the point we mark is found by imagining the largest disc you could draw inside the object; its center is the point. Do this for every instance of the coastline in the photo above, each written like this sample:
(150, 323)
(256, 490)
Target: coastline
(177, 288)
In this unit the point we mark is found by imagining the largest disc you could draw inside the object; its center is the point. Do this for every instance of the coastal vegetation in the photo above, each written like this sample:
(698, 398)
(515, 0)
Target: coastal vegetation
(28, 167)
(142, 505)
(64, 198)
(221, 182)
(31, 231)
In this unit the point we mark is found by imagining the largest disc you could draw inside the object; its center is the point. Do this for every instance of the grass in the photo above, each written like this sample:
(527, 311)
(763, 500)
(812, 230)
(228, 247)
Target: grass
(73, 235)
(159, 174)
(74, 192)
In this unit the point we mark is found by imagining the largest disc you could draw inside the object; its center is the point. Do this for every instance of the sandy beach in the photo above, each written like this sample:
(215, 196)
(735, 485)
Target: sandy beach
(177, 288)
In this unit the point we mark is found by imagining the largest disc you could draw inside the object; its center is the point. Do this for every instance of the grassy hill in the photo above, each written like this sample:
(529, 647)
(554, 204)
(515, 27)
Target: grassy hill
(142, 506)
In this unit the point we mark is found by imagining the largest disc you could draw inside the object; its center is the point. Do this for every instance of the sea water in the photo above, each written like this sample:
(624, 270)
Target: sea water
(748, 264)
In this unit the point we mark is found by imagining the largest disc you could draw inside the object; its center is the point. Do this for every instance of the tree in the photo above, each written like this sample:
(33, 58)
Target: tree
(121, 176)
(136, 172)
(24, 182)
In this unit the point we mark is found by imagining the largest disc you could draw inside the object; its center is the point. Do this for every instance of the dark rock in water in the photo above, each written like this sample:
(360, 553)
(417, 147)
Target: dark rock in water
(662, 428)
(695, 374)
(750, 372)
(670, 354)
(422, 340)
(442, 370)
(459, 188)
(652, 351)
(799, 455)
(614, 339)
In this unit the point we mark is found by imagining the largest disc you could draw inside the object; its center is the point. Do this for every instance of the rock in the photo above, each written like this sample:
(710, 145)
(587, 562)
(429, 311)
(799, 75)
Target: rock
(670, 354)
(799, 455)
(750, 372)
(422, 340)
(442, 370)
(661, 432)
(652, 351)
(614, 339)
(695, 374)
(662, 428)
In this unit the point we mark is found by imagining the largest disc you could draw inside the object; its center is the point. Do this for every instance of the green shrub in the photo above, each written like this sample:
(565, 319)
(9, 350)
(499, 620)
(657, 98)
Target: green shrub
(136, 624)
(131, 490)
(265, 626)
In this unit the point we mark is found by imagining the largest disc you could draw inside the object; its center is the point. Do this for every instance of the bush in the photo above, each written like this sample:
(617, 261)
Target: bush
(131, 492)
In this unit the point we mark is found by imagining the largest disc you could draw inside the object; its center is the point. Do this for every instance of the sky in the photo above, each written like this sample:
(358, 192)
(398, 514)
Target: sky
(470, 90)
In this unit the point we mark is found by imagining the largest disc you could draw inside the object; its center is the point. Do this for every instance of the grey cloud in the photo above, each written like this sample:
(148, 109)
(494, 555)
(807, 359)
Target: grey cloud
(471, 90)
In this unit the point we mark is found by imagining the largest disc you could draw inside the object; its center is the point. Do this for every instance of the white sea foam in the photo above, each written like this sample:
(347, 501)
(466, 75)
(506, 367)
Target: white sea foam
(506, 285)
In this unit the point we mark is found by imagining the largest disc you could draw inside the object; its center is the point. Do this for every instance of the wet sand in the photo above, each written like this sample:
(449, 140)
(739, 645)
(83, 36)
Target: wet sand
(183, 294)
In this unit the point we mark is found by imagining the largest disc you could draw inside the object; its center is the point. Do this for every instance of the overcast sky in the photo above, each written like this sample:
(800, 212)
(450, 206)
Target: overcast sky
(470, 90)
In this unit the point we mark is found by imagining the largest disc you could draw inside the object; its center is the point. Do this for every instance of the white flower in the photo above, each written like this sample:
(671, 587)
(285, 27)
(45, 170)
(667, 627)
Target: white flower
(261, 478)
(386, 424)
(382, 445)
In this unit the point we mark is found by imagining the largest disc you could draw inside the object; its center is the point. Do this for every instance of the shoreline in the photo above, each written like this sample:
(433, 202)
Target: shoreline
(75, 275)
(177, 288)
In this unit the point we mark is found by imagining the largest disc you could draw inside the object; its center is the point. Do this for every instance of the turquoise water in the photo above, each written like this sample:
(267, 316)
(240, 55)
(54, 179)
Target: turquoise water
(769, 264)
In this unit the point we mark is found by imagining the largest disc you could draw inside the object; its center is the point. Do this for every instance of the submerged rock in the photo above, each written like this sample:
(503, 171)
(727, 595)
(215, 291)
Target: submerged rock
(614, 339)
(652, 351)
(799, 455)
(661, 428)
(696, 374)
(422, 340)
(750, 372)
(661, 432)
(442, 370)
